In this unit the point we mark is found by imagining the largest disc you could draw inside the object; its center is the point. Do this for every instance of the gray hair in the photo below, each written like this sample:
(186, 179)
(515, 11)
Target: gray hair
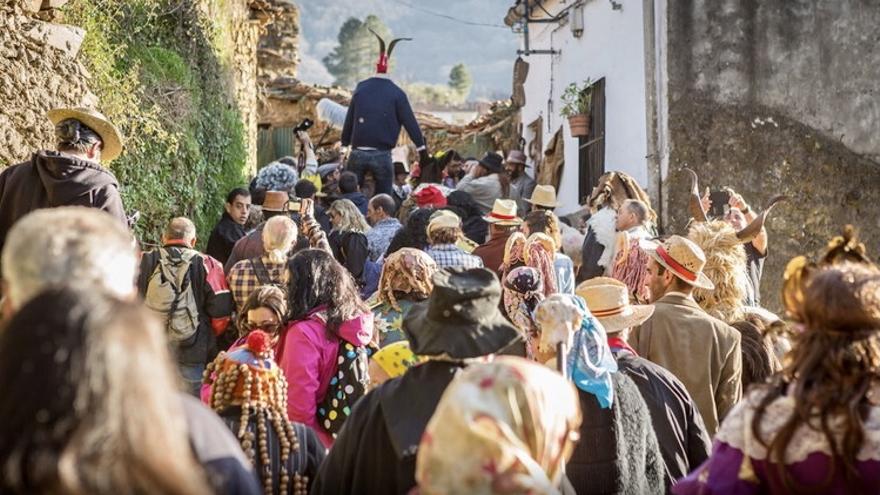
(69, 246)
(279, 235)
(180, 228)
(638, 208)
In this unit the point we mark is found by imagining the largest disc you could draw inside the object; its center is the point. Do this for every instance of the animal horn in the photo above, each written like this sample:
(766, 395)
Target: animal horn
(695, 206)
(754, 228)
(381, 42)
(394, 42)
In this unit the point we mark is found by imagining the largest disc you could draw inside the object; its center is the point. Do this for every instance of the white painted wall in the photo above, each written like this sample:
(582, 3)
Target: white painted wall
(612, 46)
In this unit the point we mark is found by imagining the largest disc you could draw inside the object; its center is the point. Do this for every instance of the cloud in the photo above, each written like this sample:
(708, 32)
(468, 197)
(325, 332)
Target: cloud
(311, 69)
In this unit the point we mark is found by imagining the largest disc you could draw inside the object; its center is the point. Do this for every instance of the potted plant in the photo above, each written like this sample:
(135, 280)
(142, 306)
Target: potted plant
(576, 99)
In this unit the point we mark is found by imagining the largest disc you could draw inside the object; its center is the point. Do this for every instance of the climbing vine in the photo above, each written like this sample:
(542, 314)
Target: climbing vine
(159, 69)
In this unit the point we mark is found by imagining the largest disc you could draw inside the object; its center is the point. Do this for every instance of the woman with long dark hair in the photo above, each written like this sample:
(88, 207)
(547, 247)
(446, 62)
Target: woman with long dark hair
(324, 307)
(414, 233)
(89, 401)
(815, 428)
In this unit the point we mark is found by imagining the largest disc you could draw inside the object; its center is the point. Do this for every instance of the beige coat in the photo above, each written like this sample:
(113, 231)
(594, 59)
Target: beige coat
(702, 351)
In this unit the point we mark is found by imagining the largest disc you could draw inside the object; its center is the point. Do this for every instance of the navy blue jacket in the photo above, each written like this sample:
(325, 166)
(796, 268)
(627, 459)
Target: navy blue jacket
(377, 111)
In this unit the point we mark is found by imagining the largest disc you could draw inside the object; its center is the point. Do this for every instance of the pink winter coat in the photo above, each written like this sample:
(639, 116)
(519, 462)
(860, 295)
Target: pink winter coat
(307, 355)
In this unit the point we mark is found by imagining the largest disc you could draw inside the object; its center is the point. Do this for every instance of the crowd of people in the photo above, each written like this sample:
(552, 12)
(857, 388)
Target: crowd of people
(357, 325)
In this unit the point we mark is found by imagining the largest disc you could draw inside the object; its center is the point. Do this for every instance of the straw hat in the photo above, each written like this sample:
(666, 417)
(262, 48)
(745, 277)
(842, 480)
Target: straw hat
(544, 196)
(275, 201)
(443, 219)
(684, 259)
(110, 135)
(503, 213)
(608, 300)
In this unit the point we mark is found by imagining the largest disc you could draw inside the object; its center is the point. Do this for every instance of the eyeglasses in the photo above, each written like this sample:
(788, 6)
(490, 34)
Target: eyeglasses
(266, 326)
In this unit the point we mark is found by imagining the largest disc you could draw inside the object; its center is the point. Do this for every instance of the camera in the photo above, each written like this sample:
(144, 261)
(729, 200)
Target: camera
(305, 125)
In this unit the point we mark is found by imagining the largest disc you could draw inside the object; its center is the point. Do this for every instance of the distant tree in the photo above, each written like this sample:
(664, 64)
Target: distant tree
(460, 81)
(354, 58)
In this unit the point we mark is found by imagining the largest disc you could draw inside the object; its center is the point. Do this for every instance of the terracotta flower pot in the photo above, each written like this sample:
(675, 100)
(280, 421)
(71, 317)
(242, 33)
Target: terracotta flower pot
(579, 125)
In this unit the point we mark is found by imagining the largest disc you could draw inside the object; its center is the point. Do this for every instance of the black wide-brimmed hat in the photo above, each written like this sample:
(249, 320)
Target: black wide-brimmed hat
(461, 318)
(493, 162)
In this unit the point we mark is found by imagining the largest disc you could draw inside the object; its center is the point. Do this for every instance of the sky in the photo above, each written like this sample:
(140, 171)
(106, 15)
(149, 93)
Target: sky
(439, 43)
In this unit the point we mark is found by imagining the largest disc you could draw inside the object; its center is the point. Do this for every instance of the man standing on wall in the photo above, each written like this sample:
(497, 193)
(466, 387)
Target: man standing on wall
(377, 111)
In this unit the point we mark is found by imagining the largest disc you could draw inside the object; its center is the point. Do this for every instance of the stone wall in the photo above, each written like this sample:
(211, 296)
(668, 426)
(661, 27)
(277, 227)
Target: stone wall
(777, 97)
(37, 73)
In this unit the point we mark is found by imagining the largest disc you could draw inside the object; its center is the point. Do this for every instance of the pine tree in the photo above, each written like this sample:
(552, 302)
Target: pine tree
(354, 58)
(460, 81)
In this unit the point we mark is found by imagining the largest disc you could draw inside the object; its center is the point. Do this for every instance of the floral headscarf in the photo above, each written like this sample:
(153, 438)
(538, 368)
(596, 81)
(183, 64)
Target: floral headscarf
(522, 290)
(409, 271)
(536, 251)
(590, 363)
(510, 423)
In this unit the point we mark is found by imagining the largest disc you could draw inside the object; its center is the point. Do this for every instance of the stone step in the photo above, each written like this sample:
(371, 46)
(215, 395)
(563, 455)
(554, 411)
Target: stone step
(63, 37)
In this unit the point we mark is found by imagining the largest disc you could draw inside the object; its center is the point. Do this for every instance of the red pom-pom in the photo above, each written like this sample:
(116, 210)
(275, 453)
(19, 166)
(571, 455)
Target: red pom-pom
(258, 341)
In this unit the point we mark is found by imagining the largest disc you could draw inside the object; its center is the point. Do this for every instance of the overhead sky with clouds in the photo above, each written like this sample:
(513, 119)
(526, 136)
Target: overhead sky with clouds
(439, 42)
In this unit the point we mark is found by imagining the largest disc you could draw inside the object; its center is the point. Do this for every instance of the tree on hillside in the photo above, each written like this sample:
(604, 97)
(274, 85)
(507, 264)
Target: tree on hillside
(354, 58)
(460, 81)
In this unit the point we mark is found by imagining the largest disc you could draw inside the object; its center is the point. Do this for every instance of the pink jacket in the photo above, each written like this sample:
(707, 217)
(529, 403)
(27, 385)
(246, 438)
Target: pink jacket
(307, 355)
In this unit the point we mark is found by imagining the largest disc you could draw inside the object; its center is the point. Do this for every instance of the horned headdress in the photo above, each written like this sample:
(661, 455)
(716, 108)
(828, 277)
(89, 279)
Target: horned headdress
(726, 262)
(385, 56)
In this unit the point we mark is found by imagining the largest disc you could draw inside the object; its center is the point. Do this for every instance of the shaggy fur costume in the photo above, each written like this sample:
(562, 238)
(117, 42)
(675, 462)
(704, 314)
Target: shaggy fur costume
(618, 451)
(726, 267)
(603, 225)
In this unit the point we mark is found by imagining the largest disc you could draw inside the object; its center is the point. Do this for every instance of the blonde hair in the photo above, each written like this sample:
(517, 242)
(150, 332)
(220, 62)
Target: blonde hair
(350, 218)
(73, 245)
(279, 235)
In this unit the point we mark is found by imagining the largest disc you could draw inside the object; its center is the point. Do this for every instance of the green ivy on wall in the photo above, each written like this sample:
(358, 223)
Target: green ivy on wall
(160, 71)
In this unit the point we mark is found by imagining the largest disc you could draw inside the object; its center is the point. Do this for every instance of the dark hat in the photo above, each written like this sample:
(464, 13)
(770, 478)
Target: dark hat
(399, 168)
(516, 156)
(493, 162)
(461, 318)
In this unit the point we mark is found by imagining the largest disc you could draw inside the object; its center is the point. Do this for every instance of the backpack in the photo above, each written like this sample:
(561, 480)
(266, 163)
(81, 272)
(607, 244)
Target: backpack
(348, 385)
(169, 293)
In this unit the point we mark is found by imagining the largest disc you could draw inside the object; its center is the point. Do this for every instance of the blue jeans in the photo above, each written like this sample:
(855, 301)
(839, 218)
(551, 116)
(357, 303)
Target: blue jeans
(378, 162)
(191, 375)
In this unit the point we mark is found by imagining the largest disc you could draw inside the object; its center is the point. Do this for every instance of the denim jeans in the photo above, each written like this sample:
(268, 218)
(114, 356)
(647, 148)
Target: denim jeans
(378, 162)
(191, 375)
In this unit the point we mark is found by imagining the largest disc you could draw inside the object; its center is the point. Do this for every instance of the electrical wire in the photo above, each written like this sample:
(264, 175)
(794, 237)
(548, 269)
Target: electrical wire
(449, 17)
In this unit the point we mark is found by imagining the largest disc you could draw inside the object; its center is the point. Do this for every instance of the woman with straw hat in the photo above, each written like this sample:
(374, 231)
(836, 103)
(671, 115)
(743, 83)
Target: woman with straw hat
(71, 176)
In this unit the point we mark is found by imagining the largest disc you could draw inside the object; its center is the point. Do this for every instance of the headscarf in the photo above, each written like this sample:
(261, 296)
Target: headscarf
(537, 252)
(589, 362)
(522, 290)
(407, 270)
(510, 422)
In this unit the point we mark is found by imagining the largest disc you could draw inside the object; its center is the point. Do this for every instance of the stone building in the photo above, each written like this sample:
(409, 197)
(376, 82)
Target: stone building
(763, 97)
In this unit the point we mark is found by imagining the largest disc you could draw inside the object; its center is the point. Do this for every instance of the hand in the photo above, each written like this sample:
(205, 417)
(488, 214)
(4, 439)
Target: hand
(705, 201)
(736, 201)
(304, 138)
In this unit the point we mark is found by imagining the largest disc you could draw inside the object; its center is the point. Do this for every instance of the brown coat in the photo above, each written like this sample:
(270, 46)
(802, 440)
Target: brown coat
(702, 351)
(492, 252)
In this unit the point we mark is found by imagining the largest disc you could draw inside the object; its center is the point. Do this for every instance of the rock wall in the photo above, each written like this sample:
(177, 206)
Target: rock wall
(35, 76)
(278, 48)
(778, 97)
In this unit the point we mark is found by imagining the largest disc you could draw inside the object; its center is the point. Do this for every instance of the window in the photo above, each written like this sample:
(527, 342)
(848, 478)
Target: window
(591, 148)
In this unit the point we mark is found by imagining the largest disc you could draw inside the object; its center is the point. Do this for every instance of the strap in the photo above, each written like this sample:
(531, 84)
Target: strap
(261, 271)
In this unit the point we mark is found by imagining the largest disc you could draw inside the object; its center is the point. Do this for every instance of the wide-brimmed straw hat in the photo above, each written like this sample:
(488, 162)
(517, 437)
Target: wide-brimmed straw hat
(442, 219)
(276, 201)
(461, 318)
(544, 196)
(111, 138)
(608, 300)
(684, 259)
(503, 213)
